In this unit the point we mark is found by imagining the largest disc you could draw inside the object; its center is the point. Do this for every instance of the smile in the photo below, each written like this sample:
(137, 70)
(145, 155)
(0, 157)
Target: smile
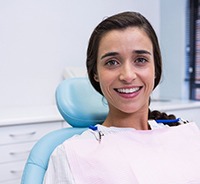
(128, 90)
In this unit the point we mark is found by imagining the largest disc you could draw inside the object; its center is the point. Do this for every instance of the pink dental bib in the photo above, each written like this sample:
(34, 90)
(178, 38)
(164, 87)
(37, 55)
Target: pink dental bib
(169, 155)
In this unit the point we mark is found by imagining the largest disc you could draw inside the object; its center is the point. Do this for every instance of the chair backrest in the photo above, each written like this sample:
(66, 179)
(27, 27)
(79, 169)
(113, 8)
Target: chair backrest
(81, 106)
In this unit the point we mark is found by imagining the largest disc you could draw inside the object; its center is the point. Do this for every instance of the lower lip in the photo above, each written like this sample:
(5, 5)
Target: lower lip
(129, 95)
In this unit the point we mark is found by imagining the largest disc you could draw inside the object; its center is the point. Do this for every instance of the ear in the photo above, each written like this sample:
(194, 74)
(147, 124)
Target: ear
(96, 78)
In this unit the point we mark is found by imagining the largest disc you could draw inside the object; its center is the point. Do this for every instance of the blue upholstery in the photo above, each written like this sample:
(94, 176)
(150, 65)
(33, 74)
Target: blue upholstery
(81, 106)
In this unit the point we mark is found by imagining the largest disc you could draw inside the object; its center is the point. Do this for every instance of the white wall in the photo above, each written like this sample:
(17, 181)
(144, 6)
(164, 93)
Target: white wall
(39, 38)
(173, 46)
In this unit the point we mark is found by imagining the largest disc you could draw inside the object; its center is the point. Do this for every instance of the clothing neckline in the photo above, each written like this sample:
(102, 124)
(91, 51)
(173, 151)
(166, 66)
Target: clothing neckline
(152, 123)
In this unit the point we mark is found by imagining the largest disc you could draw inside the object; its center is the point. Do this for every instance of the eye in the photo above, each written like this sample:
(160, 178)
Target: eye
(141, 60)
(111, 63)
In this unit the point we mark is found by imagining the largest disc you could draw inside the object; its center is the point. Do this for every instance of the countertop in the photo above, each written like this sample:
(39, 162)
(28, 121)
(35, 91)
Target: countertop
(26, 115)
(170, 105)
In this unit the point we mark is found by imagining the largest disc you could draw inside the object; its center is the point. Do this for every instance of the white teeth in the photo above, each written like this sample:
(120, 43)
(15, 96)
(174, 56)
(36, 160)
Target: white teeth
(130, 90)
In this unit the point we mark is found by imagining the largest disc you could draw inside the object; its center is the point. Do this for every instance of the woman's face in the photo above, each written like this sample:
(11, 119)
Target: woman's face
(125, 69)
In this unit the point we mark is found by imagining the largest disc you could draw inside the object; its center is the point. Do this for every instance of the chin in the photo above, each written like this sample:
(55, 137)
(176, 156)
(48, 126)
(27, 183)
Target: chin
(133, 109)
(129, 111)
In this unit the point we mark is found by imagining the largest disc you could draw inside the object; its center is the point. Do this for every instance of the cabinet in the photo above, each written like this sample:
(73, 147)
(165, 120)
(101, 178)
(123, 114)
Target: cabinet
(17, 139)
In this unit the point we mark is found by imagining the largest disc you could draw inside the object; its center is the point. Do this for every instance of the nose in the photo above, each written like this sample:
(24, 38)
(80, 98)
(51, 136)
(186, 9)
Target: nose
(127, 73)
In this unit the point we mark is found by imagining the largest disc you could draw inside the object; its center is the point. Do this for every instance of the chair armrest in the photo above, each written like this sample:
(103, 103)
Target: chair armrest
(38, 159)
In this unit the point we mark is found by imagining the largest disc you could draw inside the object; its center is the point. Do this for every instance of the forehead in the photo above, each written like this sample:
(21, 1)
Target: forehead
(133, 37)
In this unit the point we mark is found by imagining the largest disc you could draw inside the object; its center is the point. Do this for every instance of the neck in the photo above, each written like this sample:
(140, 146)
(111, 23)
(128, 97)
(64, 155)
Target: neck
(138, 121)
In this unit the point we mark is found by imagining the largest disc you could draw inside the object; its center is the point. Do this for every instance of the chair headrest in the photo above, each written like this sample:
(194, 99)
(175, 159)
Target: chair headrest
(79, 103)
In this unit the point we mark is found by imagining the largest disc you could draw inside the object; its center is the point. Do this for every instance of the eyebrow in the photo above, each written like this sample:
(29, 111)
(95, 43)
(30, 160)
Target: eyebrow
(116, 53)
(109, 54)
(142, 52)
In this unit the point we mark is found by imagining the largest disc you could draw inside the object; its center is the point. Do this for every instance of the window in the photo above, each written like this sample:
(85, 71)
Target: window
(193, 48)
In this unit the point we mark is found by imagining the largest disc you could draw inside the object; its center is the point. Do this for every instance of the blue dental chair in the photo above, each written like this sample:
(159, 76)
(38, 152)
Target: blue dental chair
(81, 106)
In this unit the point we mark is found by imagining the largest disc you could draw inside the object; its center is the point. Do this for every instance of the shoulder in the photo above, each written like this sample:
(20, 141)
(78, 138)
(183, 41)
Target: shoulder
(58, 170)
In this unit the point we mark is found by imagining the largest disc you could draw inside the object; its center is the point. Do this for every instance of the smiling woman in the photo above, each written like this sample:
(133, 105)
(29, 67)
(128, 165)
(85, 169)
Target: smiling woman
(124, 65)
(125, 47)
(125, 71)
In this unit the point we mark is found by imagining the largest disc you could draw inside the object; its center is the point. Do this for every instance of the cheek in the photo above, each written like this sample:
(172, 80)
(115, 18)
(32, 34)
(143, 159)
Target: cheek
(150, 77)
(153, 79)
(106, 81)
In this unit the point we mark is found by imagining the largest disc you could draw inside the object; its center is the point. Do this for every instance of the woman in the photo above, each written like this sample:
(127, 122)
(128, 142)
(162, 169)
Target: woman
(124, 65)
